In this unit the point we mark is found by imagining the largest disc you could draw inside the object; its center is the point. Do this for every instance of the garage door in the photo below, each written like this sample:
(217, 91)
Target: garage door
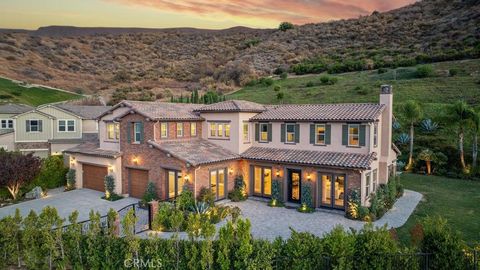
(138, 182)
(93, 177)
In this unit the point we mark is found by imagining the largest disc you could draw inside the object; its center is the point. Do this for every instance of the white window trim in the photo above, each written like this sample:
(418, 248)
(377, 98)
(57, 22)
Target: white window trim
(135, 131)
(368, 186)
(358, 135)
(374, 180)
(193, 134)
(37, 126)
(66, 126)
(7, 121)
(166, 130)
(260, 132)
(247, 139)
(115, 135)
(179, 124)
(324, 134)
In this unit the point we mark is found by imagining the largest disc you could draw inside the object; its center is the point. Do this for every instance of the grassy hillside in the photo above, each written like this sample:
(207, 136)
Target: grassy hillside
(13, 92)
(432, 92)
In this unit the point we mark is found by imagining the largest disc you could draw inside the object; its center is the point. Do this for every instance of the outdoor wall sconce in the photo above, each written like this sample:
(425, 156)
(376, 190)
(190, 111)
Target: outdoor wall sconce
(186, 178)
(309, 177)
(277, 173)
(110, 168)
(135, 160)
(230, 171)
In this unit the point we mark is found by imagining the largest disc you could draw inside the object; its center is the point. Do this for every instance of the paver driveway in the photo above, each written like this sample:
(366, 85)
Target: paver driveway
(82, 200)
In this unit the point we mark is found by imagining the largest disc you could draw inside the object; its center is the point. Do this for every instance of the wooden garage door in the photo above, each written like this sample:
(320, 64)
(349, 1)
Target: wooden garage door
(138, 182)
(93, 177)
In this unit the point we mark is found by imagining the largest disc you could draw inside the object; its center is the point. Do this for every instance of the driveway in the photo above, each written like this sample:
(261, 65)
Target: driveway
(82, 200)
(272, 222)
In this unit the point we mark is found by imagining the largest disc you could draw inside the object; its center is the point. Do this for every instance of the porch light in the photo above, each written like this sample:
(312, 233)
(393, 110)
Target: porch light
(186, 178)
(135, 160)
(110, 168)
(230, 170)
(309, 177)
(274, 202)
(277, 173)
(304, 207)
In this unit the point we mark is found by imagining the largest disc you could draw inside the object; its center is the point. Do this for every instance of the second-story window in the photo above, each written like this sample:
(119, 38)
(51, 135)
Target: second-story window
(66, 125)
(368, 179)
(213, 129)
(290, 133)
(375, 135)
(354, 135)
(375, 180)
(219, 130)
(320, 134)
(113, 131)
(137, 132)
(179, 129)
(193, 129)
(263, 132)
(6, 124)
(34, 125)
(246, 132)
(164, 130)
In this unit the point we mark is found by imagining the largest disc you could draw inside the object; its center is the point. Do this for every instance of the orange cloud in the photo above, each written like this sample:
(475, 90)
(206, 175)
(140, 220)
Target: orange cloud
(296, 11)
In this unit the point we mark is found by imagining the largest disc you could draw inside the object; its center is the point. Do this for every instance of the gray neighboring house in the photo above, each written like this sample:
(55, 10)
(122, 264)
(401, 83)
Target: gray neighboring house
(7, 123)
(52, 128)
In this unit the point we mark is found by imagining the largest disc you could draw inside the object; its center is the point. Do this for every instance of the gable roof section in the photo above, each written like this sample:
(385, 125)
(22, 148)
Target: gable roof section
(195, 152)
(322, 112)
(84, 112)
(13, 108)
(307, 157)
(35, 111)
(161, 110)
(233, 106)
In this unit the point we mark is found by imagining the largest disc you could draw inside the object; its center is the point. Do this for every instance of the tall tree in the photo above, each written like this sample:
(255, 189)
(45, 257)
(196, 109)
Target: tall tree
(460, 115)
(476, 131)
(412, 113)
(17, 170)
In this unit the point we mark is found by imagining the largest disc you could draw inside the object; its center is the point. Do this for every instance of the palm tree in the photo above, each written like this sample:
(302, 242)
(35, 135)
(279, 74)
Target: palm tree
(428, 156)
(460, 114)
(412, 113)
(476, 131)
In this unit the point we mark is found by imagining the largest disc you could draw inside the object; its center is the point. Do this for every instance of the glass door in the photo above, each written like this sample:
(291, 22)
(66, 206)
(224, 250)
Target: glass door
(294, 185)
(262, 181)
(217, 183)
(332, 190)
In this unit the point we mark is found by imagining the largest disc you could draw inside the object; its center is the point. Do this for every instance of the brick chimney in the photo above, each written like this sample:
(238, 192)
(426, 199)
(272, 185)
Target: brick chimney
(386, 98)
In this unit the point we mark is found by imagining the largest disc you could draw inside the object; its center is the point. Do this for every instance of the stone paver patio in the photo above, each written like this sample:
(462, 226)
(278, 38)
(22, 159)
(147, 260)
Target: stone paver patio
(82, 200)
(272, 222)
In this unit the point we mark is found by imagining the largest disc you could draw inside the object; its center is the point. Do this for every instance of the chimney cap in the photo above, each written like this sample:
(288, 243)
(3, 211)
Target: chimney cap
(386, 89)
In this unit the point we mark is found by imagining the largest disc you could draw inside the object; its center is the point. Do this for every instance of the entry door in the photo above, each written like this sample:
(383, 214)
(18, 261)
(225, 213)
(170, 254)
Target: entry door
(218, 183)
(262, 181)
(294, 185)
(332, 190)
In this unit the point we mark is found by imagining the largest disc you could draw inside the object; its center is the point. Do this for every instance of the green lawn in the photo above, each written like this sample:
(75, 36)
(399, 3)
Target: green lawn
(456, 200)
(12, 92)
(432, 91)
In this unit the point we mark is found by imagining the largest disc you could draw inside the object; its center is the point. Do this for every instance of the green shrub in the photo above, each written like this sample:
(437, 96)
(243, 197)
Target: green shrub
(284, 26)
(353, 204)
(339, 246)
(382, 70)
(109, 182)
(306, 199)
(265, 81)
(207, 196)
(71, 179)
(277, 88)
(284, 75)
(186, 199)
(163, 219)
(53, 173)
(424, 71)
(279, 71)
(369, 243)
(361, 90)
(150, 193)
(453, 72)
(444, 244)
(310, 84)
(238, 193)
(302, 251)
(363, 213)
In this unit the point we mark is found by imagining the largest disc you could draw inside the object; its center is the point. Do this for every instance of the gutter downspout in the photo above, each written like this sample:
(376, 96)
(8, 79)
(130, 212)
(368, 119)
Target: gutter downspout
(195, 183)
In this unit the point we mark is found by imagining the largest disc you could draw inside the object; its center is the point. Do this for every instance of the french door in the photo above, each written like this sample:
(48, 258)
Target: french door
(262, 181)
(294, 185)
(218, 179)
(332, 190)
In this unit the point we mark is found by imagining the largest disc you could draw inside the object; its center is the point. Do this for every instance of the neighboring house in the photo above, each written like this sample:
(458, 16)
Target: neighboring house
(333, 148)
(50, 129)
(7, 123)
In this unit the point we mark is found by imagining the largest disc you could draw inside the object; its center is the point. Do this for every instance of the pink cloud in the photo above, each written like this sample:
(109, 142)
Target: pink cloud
(296, 11)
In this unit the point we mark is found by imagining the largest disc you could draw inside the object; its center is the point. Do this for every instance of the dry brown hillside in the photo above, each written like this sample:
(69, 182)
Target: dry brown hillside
(158, 63)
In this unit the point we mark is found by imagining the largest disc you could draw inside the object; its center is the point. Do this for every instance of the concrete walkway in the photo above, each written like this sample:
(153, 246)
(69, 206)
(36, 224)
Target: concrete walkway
(272, 222)
(82, 200)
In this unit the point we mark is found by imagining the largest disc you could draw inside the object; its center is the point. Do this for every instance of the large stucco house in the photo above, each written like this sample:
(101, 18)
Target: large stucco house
(333, 148)
(48, 129)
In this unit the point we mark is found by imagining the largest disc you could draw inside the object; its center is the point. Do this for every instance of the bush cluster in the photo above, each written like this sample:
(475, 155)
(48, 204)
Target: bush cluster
(238, 193)
(53, 173)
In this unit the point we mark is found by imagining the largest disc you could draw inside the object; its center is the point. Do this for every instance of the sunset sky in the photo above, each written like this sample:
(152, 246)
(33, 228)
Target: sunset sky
(213, 14)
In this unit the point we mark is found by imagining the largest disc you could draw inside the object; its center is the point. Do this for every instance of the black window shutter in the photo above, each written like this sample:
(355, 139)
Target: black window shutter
(40, 125)
(141, 131)
(129, 132)
(256, 132)
(312, 134)
(282, 133)
(269, 132)
(297, 133)
(27, 125)
(345, 135)
(362, 135)
(328, 134)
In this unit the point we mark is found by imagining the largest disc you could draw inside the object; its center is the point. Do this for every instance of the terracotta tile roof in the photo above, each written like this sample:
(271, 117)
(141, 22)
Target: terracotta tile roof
(164, 110)
(232, 106)
(85, 112)
(13, 108)
(307, 157)
(92, 149)
(195, 152)
(321, 112)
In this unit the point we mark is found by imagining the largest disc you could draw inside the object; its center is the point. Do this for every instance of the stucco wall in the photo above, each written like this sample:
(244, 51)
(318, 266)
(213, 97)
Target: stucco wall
(102, 129)
(114, 168)
(89, 126)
